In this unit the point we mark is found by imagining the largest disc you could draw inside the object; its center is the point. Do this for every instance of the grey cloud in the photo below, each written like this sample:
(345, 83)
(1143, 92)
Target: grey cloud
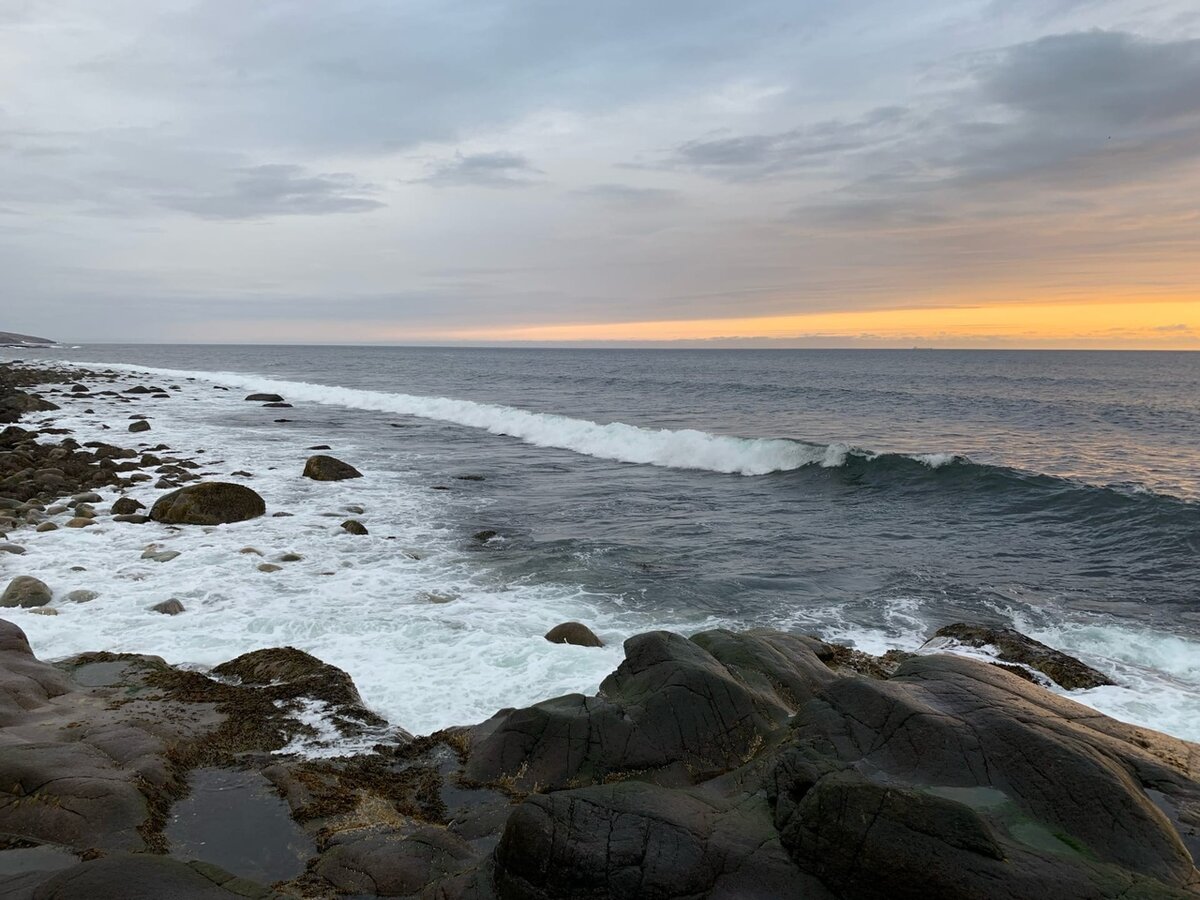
(1113, 79)
(273, 190)
(493, 170)
(1081, 109)
(631, 195)
(805, 148)
(381, 76)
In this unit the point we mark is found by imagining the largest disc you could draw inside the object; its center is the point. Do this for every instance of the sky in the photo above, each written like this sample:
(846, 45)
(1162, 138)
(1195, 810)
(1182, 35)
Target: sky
(975, 173)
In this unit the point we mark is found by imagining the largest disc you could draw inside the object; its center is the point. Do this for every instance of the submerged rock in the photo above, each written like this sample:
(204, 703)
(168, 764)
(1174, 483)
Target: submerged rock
(1013, 647)
(208, 503)
(328, 468)
(172, 607)
(573, 633)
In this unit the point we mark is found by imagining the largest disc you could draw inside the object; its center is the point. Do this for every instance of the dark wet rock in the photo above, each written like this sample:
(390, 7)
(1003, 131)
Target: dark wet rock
(392, 863)
(172, 607)
(157, 555)
(82, 595)
(269, 567)
(303, 674)
(320, 447)
(573, 633)
(265, 398)
(26, 592)
(146, 877)
(240, 473)
(1013, 647)
(132, 518)
(632, 840)
(354, 526)
(469, 478)
(485, 535)
(278, 405)
(208, 503)
(327, 468)
(14, 549)
(125, 506)
(79, 522)
(958, 779)
(46, 526)
(690, 709)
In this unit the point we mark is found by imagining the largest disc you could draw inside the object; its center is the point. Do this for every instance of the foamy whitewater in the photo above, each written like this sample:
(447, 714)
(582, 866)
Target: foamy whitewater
(436, 630)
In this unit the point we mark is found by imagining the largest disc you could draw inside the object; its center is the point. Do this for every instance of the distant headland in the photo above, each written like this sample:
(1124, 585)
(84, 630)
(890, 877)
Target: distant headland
(12, 339)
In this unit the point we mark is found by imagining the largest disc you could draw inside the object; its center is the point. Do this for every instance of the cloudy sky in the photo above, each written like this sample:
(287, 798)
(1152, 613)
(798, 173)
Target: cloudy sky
(784, 172)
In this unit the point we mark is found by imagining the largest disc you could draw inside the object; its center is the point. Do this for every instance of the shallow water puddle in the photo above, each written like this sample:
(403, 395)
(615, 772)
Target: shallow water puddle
(235, 820)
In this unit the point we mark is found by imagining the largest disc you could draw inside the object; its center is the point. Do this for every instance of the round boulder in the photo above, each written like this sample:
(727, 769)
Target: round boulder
(573, 633)
(354, 526)
(208, 503)
(126, 506)
(170, 607)
(327, 468)
(139, 425)
(26, 592)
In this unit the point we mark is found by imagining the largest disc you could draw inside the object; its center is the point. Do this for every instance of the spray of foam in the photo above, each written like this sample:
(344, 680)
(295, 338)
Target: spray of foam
(683, 449)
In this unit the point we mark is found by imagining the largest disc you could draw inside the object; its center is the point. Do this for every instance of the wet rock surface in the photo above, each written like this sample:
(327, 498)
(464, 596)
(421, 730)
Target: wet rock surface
(329, 468)
(208, 503)
(1010, 646)
(726, 766)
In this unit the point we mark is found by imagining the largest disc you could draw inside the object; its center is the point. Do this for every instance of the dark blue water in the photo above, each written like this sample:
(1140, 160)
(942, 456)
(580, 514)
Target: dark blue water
(1073, 488)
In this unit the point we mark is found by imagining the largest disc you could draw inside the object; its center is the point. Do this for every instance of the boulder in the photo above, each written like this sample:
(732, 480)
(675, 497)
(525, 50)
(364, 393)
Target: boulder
(1011, 646)
(304, 675)
(26, 592)
(140, 425)
(354, 526)
(82, 596)
(79, 522)
(265, 398)
(327, 468)
(126, 506)
(170, 607)
(573, 633)
(208, 503)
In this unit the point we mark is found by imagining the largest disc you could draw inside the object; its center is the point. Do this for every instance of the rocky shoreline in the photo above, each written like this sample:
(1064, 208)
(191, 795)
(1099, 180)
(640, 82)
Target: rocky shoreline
(725, 765)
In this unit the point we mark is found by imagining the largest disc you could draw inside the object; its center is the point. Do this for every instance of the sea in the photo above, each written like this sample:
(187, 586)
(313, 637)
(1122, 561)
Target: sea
(868, 497)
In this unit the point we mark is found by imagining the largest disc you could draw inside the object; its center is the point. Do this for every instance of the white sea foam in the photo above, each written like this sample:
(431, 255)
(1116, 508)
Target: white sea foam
(429, 634)
(680, 449)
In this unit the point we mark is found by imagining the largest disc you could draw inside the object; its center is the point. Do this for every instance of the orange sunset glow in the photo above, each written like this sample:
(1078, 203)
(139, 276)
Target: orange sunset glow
(1134, 324)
